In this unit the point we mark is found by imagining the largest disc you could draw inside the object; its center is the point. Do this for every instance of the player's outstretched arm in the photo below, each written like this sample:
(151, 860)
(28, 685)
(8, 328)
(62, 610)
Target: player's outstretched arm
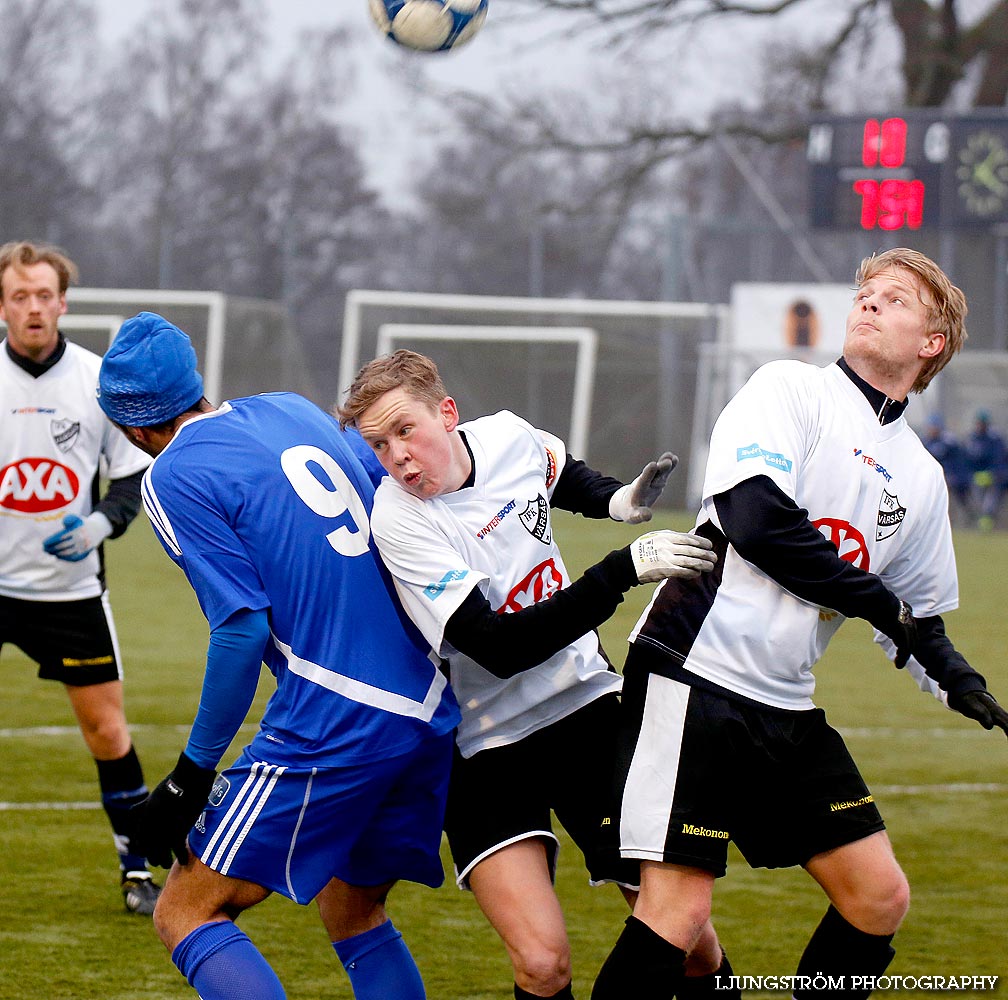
(510, 643)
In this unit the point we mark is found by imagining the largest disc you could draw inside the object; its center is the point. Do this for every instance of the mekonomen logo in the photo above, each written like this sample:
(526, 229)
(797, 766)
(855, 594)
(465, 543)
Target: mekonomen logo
(702, 831)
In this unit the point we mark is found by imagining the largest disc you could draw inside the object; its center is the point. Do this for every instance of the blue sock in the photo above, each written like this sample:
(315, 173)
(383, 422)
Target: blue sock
(221, 963)
(380, 965)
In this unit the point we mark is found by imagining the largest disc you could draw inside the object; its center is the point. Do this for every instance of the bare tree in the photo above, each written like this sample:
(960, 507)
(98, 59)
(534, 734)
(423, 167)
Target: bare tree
(182, 72)
(941, 41)
(46, 52)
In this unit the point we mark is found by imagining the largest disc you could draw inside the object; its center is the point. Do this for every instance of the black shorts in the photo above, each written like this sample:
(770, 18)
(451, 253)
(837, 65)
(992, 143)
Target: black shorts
(502, 795)
(71, 641)
(698, 769)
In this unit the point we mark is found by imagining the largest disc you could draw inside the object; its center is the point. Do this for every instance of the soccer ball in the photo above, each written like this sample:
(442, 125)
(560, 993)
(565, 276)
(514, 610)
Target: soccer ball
(429, 25)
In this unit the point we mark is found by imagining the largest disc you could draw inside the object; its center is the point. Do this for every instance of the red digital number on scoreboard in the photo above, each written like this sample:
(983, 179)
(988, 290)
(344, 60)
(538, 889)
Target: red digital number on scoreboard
(893, 202)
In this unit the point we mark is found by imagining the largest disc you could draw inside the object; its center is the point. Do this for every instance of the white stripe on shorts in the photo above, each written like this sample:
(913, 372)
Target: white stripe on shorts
(241, 816)
(651, 780)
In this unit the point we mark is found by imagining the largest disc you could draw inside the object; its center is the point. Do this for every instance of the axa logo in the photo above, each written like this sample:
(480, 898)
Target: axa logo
(37, 485)
(540, 585)
(847, 540)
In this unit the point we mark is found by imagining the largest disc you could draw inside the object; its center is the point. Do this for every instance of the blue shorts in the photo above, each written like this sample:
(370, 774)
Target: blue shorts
(293, 829)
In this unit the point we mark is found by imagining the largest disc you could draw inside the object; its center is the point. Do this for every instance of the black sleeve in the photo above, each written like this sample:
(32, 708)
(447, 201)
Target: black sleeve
(768, 529)
(507, 644)
(942, 661)
(582, 490)
(121, 502)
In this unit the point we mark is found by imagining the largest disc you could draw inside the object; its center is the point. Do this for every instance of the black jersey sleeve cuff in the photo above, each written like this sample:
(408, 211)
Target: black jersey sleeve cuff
(582, 490)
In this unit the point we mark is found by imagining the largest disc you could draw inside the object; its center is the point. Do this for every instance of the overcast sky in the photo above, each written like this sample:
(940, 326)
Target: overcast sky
(688, 76)
(379, 112)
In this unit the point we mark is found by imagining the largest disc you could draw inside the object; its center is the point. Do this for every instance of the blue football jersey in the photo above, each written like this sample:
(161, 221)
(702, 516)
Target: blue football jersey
(265, 504)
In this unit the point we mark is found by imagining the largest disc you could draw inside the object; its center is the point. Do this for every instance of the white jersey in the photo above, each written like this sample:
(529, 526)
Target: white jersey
(54, 440)
(871, 489)
(496, 535)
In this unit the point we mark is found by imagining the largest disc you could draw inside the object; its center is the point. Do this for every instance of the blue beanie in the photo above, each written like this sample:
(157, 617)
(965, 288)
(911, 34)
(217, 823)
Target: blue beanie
(148, 376)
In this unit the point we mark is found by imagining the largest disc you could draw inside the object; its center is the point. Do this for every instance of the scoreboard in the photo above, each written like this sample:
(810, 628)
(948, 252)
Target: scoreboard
(918, 169)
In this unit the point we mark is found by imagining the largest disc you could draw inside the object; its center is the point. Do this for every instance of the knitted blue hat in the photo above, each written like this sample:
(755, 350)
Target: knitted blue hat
(148, 376)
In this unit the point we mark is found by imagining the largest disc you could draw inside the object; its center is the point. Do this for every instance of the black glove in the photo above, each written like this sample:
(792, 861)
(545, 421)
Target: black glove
(163, 820)
(980, 706)
(903, 631)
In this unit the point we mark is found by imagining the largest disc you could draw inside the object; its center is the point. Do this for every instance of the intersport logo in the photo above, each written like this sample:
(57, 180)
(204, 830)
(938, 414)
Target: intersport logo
(542, 583)
(37, 485)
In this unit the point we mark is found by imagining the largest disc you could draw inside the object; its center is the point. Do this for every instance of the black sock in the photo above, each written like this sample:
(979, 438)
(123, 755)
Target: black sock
(845, 956)
(122, 786)
(714, 984)
(564, 994)
(642, 965)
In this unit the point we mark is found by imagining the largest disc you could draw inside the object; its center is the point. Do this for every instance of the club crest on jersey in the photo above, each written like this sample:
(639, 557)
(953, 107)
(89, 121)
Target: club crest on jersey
(890, 516)
(37, 485)
(535, 518)
(64, 433)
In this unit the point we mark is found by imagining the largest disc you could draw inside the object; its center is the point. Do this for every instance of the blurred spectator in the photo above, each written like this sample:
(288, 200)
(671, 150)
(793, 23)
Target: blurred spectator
(955, 463)
(988, 458)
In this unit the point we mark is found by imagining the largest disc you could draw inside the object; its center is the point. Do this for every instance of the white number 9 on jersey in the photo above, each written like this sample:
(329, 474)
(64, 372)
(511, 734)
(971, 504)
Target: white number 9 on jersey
(325, 501)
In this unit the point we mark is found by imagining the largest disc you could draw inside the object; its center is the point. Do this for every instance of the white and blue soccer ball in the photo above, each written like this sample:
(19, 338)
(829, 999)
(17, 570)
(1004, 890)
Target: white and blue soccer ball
(429, 25)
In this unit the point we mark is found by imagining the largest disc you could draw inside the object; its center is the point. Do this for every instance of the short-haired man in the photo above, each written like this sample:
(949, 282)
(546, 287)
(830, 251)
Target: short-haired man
(822, 504)
(463, 524)
(263, 502)
(55, 443)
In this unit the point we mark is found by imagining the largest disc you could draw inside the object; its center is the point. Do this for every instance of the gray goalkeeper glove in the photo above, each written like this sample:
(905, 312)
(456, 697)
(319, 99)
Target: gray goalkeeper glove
(661, 554)
(632, 503)
(78, 537)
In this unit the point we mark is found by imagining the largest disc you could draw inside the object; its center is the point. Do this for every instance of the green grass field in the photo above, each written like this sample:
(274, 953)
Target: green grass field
(941, 783)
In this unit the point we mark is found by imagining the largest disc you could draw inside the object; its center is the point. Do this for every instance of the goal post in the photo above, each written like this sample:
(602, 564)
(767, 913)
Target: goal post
(585, 339)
